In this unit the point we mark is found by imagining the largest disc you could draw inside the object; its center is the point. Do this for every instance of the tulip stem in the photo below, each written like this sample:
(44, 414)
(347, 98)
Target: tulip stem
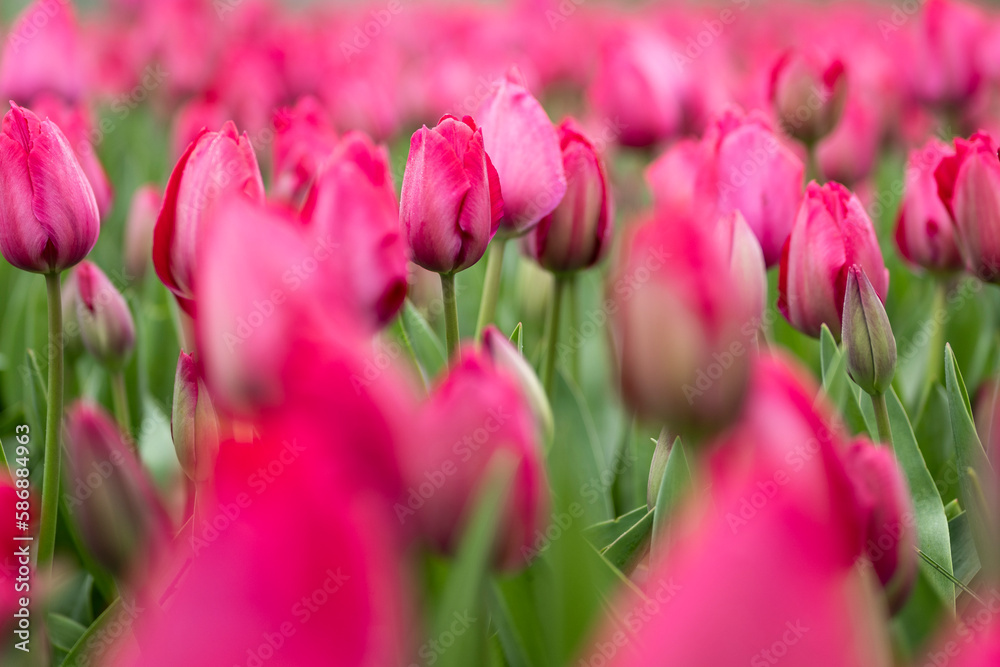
(120, 398)
(935, 351)
(53, 424)
(882, 419)
(552, 332)
(574, 321)
(450, 314)
(813, 172)
(491, 288)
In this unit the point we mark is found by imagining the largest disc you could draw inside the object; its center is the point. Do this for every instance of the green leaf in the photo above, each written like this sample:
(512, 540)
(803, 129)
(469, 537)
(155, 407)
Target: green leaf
(842, 393)
(517, 338)
(628, 549)
(78, 653)
(602, 534)
(427, 345)
(511, 641)
(64, 632)
(676, 481)
(156, 446)
(963, 549)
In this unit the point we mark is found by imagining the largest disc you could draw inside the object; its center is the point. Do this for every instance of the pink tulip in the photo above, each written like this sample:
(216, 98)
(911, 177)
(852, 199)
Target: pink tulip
(577, 234)
(808, 91)
(925, 232)
(215, 164)
(782, 508)
(303, 141)
(681, 326)
(139, 226)
(849, 153)
(48, 214)
(943, 63)
(194, 117)
(451, 202)
(831, 233)
(43, 53)
(524, 147)
(746, 260)
(194, 424)
(972, 640)
(106, 326)
(969, 185)
(476, 416)
(746, 168)
(352, 207)
(672, 177)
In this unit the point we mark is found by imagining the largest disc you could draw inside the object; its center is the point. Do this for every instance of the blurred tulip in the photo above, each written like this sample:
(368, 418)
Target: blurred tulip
(870, 347)
(193, 118)
(43, 53)
(808, 92)
(680, 327)
(48, 215)
(114, 504)
(672, 176)
(303, 141)
(214, 165)
(969, 186)
(746, 260)
(831, 233)
(194, 425)
(502, 352)
(577, 234)
(524, 147)
(746, 168)
(849, 153)
(139, 226)
(942, 63)
(925, 232)
(352, 210)
(10, 568)
(473, 416)
(451, 201)
(106, 326)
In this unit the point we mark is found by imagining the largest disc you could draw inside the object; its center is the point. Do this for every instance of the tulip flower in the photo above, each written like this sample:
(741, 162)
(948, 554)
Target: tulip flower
(214, 164)
(746, 260)
(808, 92)
(925, 232)
(505, 356)
(746, 168)
(451, 203)
(48, 213)
(193, 423)
(831, 233)
(524, 147)
(849, 153)
(672, 176)
(681, 327)
(869, 344)
(969, 186)
(942, 63)
(139, 226)
(352, 208)
(303, 141)
(106, 326)
(577, 234)
(474, 415)
(120, 517)
(43, 53)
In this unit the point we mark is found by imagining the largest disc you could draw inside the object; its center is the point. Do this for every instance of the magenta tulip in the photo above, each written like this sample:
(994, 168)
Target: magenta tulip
(746, 260)
(943, 61)
(44, 53)
(925, 231)
(808, 92)
(106, 325)
(672, 177)
(139, 226)
(303, 141)
(194, 424)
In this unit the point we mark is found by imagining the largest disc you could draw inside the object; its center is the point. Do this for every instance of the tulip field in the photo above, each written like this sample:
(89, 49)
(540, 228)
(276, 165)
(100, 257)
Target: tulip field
(529, 333)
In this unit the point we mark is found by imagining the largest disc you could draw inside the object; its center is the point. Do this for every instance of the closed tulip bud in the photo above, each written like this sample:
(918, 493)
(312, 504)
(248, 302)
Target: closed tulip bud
(121, 520)
(524, 148)
(503, 353)
(303, 141)
(106, 325)
(746, 260)
(451, 203)
(43, 53)
(577, 234)
(193, 424)
(925, 232)
(831, 233)
(48, 214)
(215, 164)
(969, 185)
(808, 92)
(139, 226)
(890, 534)
(868, 339)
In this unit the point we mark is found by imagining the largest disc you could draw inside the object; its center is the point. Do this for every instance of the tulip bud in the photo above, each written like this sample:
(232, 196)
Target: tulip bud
(451, 204)
(831, 233)
(943, 61)
(106, 325)
(969, 186)
(808, 93)
(524, 148)
(925, 232)
(577, 233)
(505, 356)
(193, 424)
(43, 53)
(303, 141)
(48, 214)
(214, 165)
(868, 339)
(672, 176)
(142, 214)
(114, 503)
(890, 534)
(746, 260)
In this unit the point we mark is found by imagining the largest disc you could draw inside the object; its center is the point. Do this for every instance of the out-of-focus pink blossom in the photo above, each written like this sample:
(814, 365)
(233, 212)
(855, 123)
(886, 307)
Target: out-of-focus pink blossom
(106, 325)
(303, 141)
(848, 154)
(672, 176)
(808, 92)
(43, 53)
(139, 226)
(746, 260)
(943, 59)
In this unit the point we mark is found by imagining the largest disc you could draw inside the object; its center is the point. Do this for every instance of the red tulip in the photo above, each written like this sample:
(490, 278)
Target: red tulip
(577, 234)
(106, 326)
(808, 92)
(303, 141)
(194, 425)
(477, 414)
(969, 185)
(139, 226)
(925, 232)
(214, 165)
(942, 62)
(831, 233)
(352, 207)
(524, 147)
(451, 202)
(48, 214)
(43, 53)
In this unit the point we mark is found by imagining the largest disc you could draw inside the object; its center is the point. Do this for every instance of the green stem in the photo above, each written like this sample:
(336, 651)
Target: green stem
(574, 321)
(450, 313)
(491, 288)
(120, 398)
(53, 424)
(404, 338)
(813, 172)
(882, 419)
(552, 328)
